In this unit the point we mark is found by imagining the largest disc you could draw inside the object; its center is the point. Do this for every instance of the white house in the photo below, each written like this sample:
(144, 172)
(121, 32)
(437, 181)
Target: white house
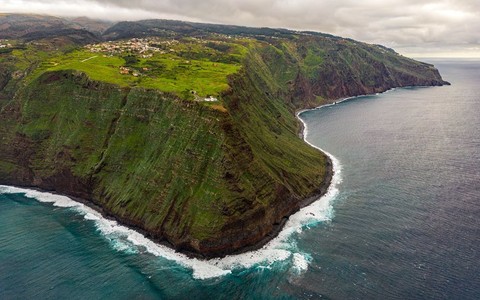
(211, 99)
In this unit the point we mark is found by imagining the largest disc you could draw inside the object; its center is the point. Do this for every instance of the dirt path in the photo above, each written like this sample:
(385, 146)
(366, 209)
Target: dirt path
(89, 58)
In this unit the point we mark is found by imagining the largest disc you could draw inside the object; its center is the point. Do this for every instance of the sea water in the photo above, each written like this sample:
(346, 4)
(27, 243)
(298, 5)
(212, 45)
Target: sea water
(401, 220)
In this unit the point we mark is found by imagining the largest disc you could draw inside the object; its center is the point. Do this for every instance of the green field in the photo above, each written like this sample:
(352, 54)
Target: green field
(186, 67)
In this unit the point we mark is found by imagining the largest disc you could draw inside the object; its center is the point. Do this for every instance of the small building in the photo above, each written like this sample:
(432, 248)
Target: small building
(211, 99)
(124, 71)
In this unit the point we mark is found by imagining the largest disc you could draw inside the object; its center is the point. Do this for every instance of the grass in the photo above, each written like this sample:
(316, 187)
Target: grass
(314, 58)
(163, 161)
(191, 66)
(156, 141)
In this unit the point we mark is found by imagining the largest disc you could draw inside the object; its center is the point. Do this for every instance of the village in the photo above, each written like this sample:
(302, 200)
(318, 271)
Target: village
(5, 44)
(154, 48)
(145, 47)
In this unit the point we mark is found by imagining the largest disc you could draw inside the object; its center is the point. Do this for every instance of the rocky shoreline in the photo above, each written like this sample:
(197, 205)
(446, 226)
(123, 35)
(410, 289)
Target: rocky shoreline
(277, 227)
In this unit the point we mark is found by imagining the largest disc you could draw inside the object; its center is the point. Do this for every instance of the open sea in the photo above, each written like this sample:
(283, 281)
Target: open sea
(400, 221)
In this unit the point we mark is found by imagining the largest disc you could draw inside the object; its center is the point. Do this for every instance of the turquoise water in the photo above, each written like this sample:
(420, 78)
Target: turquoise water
(404, 223)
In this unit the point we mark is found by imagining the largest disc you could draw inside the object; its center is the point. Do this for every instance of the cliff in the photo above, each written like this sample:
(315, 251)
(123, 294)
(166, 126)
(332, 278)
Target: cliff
(206, 179)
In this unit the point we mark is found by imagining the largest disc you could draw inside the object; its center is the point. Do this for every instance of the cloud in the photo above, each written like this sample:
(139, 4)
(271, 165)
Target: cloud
(409, 26)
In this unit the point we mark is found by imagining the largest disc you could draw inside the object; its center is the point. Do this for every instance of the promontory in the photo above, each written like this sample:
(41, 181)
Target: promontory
(185, 131)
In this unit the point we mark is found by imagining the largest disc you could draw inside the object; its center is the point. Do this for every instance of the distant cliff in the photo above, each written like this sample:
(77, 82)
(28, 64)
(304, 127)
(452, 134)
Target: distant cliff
(206, 180)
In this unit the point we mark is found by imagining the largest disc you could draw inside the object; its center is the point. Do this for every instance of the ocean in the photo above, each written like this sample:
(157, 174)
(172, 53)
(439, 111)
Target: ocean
(400, 221)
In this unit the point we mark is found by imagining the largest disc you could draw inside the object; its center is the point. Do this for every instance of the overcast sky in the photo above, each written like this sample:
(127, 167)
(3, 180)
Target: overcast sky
(416, 28)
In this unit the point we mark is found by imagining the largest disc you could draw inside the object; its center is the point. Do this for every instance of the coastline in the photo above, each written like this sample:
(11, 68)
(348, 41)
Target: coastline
(332, 169)
(273, 248)
(277, 228)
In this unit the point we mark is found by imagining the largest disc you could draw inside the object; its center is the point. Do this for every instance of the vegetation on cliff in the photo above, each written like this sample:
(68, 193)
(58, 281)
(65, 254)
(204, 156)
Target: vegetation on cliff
(207, 177)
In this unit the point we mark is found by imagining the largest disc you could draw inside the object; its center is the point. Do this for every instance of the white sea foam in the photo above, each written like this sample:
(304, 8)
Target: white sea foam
(281, 248)
(347, 99)
(300, 263)
(121, 237)
(56, 200)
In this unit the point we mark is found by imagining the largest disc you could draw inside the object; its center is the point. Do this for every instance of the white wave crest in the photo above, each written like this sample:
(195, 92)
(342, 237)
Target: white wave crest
(300, 263)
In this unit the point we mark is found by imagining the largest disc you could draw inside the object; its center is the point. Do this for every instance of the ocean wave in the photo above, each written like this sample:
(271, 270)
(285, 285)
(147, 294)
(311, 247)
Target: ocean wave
(281, 248)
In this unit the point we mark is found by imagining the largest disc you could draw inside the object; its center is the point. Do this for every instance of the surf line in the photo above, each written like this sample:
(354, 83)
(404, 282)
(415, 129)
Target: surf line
(279, 249)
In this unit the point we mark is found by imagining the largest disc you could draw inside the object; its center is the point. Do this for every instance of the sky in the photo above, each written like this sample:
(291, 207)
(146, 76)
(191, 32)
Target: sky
(415, 28)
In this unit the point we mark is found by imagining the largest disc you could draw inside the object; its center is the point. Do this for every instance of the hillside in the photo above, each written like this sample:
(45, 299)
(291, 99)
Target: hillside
(38, 27)
(206, 177)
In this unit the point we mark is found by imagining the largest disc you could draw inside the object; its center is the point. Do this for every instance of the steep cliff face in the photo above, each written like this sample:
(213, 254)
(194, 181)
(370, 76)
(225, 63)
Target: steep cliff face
(358, 69)
(209, 180)
(321, 69)
(6, 74)
(184, 172)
